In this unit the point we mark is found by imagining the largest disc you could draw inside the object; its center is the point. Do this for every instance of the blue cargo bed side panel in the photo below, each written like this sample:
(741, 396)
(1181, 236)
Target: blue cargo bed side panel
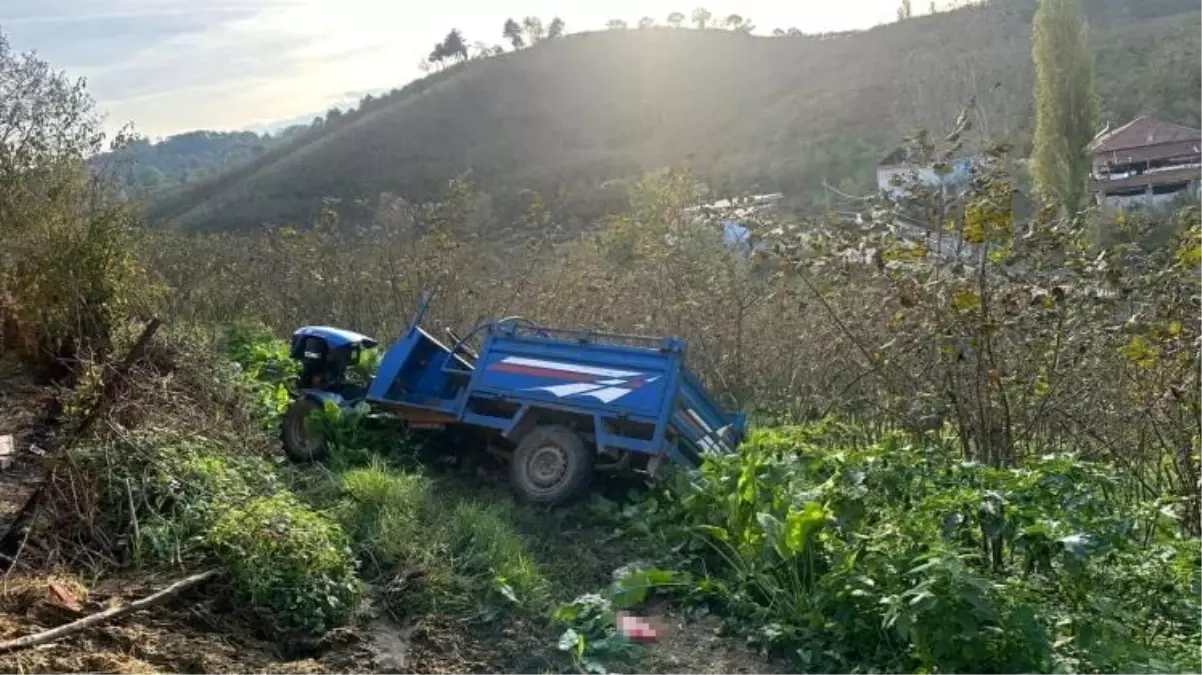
(614, 380)
(411, 372)
(390, 365)
(701, 422)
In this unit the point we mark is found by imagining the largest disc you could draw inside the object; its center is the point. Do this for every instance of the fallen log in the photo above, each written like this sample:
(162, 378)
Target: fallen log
(107, 615)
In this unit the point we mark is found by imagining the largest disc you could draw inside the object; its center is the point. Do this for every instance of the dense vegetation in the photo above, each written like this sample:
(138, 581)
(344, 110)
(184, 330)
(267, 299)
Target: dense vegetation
(888, 556)
(147, 170)
(567, 117)
(1014, 485)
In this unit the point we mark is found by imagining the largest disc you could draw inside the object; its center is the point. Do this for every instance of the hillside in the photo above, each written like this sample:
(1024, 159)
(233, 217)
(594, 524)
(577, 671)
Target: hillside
(568, 116)
(153, 169)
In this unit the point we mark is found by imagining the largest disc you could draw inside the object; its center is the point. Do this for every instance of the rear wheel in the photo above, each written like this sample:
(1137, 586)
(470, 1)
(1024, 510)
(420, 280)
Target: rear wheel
(301, 443)
(551, 465)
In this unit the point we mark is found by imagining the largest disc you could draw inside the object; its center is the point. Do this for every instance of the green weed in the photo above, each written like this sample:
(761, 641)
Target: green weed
(471, 558)
(293, 565)
(896, 557)
(264, 370)
(590, 636)
(487, 553)
(383, 513)
(189, 485)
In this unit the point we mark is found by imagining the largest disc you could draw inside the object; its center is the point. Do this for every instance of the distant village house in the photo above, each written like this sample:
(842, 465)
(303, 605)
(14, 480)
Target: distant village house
(1146, 163)
(895, 174)
(732, 214)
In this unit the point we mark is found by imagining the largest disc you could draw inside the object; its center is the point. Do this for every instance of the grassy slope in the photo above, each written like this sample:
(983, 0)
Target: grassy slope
(745, 112)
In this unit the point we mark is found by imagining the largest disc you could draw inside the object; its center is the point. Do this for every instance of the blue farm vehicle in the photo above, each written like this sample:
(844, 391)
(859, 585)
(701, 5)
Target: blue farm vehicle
(559, 402)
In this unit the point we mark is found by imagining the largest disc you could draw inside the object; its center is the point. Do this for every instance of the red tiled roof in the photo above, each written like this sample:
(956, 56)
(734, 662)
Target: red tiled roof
(1142, 131)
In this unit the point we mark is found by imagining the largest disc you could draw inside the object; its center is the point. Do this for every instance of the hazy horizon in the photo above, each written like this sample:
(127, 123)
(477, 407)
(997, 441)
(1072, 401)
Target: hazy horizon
(170, 66)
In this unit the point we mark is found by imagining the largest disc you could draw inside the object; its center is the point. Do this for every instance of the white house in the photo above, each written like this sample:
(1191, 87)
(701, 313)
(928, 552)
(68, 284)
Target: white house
(895, 171)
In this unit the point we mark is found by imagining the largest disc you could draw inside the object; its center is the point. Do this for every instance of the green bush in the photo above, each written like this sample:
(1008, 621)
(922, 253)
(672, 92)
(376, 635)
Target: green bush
(291, 564)
(901, 558)
(188, 485)
(265, 370)
(69, 273)
(254, 347)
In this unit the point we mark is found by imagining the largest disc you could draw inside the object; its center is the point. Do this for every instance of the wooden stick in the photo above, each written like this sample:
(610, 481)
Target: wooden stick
(109, 392)
(106, 615)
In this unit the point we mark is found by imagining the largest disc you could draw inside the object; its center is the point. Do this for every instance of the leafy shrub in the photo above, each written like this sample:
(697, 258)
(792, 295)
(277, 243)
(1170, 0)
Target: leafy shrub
(907, 558)
(349, 441)
(265, 368)
(291, 564)
(262, 356)
(189, 485)
(68, 269)
(153, 495)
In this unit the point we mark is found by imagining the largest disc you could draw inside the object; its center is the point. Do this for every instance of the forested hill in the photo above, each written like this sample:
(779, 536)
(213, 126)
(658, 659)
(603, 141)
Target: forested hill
(568, 116)
(146, 169)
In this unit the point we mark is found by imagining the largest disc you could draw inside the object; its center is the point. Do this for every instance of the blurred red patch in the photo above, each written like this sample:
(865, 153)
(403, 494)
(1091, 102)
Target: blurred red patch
(636, 628)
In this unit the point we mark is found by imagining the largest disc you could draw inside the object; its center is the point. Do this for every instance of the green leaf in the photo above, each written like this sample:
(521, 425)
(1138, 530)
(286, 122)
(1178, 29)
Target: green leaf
(716, 532)
(1076, 544)
(799, 525)
(500, 585)
(966, 301)
(631, 590)
(1141, 352)
(1190, 256)
(570, 640)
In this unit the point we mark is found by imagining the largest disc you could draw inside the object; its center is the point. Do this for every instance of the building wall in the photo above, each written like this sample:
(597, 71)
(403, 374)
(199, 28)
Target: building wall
(1149, 201)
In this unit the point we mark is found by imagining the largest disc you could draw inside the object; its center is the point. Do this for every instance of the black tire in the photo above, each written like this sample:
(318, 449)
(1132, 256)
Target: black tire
(300, 444)
(531, 472)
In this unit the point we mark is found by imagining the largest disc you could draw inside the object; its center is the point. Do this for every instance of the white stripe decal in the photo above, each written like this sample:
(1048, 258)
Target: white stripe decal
(608, 394)
(569, 367)
(569, 389)
(694, 415)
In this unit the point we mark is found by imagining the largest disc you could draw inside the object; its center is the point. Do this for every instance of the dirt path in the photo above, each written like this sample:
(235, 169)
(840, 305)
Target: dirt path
(696, 645)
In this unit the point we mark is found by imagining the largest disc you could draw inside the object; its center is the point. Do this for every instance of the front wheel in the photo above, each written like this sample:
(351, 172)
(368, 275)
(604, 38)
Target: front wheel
(551, 465)
(302, 443)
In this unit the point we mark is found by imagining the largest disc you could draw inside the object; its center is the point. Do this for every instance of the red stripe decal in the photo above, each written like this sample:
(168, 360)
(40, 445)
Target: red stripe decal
(541, 372)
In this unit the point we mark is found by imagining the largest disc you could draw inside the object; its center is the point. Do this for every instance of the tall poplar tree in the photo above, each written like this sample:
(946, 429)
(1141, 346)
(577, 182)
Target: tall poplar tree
(1066, 102)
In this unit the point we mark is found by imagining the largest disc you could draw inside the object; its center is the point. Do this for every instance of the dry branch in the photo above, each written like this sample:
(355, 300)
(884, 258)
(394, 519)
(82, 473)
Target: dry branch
(107, 615)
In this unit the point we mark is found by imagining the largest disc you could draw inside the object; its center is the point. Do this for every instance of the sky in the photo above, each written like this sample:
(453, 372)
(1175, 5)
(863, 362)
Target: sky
(176, 65)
